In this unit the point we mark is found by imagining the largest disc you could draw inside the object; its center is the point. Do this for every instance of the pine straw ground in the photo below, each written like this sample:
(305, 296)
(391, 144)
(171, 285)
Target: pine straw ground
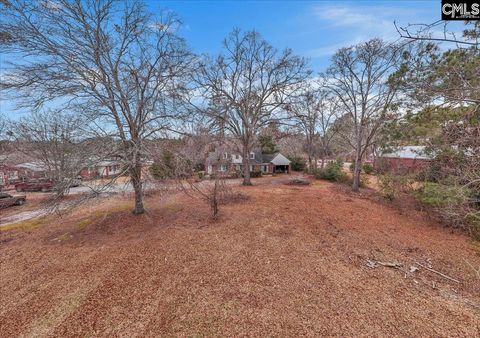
(289, 261)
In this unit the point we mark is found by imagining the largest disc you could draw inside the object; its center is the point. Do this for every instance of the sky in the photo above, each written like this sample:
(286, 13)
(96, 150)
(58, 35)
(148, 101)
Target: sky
(314, 29)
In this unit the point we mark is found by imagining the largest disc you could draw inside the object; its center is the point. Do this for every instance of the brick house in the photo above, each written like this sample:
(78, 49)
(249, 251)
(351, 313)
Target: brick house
(102, 169)
(225, 161)
(403, 160)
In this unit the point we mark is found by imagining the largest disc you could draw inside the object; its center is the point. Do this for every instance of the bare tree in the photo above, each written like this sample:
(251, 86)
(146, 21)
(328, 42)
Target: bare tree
(111, 61)
(3, 123)
(58, 143)
(425, 32)
(247, 85)
(362, 78)
(314, 112)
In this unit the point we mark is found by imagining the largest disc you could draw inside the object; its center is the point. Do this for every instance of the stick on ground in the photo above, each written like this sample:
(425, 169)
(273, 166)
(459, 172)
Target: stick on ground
(438, 273)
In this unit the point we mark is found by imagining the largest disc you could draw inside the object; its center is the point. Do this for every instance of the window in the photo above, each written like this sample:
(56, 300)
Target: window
(225, 155)
(223, 167)
(265, 168)
(237, 157)
(252, 156)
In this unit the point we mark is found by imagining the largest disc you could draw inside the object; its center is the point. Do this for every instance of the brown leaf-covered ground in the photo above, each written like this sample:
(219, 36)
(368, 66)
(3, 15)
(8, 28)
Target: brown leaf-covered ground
(289, 261)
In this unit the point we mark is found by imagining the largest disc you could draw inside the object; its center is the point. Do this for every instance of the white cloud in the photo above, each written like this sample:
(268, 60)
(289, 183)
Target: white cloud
(356, 23)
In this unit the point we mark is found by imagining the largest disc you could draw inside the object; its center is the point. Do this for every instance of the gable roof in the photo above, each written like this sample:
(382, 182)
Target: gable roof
(279, 159)
(32, 166)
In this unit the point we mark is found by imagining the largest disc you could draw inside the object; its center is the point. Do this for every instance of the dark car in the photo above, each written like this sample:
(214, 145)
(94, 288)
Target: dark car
(34, 186)
(7, 200)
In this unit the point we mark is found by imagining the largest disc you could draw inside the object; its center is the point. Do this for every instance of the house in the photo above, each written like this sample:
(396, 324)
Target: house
(102, 169)
(403, 160)
(31, 170)
(225, 161)
(8, 176)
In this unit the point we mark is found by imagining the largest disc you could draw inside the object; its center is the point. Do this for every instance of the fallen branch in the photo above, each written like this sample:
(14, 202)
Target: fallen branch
(373, 264)
(438, 273)
(477, 272)
(394, 265)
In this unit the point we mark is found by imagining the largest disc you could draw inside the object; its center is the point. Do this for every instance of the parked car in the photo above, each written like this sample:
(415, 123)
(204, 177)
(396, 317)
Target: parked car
(35, 186)
(7, 200)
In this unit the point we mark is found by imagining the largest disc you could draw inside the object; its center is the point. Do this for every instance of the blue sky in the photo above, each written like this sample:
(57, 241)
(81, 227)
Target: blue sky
(314, 29)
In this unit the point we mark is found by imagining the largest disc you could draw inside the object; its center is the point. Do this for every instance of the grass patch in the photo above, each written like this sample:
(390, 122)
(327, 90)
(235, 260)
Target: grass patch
(82, 224)
(28, 224)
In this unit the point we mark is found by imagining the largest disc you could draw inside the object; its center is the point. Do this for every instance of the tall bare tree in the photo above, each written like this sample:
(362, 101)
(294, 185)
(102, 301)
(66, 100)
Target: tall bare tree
(247, 85)
(110, 60)
(364, 78)
(314, 113)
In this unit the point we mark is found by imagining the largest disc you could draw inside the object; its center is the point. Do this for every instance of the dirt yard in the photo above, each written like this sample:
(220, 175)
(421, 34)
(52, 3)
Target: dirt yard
(289, 261)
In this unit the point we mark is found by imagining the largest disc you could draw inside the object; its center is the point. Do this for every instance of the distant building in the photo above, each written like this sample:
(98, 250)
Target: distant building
(104, 168)
(226, 161)
(31, 170)
(8, 175)
(403, 160)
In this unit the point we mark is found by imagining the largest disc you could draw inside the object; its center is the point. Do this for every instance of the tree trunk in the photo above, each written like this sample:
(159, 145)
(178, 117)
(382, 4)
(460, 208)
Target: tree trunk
(136, 177)
(357, 171)
(246, 166)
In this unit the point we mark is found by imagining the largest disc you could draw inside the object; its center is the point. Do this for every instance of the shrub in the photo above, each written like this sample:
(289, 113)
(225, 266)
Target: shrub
(297, 163)
(352, 166)
(473, 221)
(440, 195)
(159, 171)
(255, 173)
(391, 185)
(332, 172)
(236, 174)
(200, 174)
(367, 168)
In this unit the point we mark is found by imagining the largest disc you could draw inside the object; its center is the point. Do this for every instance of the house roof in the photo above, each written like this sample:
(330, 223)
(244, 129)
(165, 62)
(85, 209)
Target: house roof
(260, 158)
(279, 159)
(410, 152)
(266, 158)
(32, 166)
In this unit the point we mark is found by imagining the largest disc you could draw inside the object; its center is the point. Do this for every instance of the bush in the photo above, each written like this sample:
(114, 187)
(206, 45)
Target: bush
(452, 204)
(391, 185)
(298, 163)
(255, 173)
(332, 172)
(200, 174)
(440, 195)
(473, 221)
(236, 174)
(367, 168)
(159, 172)
(352, 166)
